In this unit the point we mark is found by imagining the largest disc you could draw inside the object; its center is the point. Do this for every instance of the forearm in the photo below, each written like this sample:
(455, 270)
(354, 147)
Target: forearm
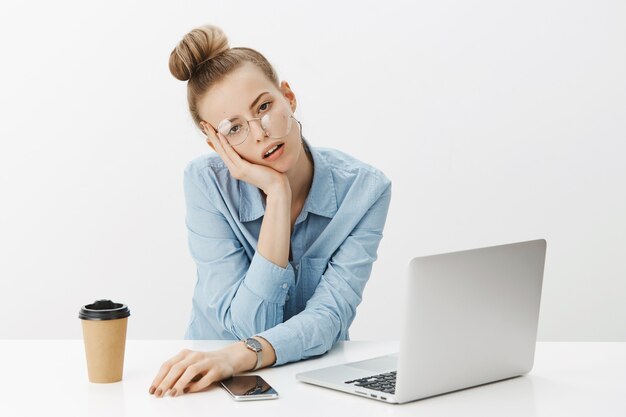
(274, 241)
(275, 234)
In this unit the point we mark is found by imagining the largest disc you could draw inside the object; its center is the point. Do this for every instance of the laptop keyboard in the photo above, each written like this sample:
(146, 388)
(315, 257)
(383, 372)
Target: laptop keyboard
(381, 382)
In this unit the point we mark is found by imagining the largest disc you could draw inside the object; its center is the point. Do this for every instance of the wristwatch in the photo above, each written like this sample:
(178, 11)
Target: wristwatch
(255, 346)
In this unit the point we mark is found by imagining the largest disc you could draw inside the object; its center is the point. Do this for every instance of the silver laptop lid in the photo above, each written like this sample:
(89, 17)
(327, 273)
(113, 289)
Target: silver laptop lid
(470, 318)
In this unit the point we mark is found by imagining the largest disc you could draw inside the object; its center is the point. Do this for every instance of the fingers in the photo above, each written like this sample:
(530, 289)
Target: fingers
(170, 371)
(205, 381)
(165, 368)
(231, 157)
(209, 132)
(188, 371)
(192, 373)
(212, 136)
(175, 374)
(227, 148)
(222, 147)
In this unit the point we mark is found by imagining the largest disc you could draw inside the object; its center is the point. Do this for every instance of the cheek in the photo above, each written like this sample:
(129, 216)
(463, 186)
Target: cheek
(248, 158)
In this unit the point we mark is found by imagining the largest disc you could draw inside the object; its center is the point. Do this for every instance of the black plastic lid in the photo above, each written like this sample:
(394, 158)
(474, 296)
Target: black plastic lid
(104, 310)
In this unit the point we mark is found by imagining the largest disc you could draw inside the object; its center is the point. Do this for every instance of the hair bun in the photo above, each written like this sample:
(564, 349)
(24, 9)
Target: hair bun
(199, 45)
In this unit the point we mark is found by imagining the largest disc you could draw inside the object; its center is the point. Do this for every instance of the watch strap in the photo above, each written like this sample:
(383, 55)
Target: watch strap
(259, 352)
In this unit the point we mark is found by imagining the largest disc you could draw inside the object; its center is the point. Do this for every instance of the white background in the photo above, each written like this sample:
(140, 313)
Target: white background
(497, 121)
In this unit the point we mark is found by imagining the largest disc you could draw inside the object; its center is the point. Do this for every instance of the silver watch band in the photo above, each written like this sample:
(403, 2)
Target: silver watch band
(255, 346)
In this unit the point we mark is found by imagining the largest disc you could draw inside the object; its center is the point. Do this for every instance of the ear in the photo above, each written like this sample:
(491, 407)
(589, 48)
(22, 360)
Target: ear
(289, 95)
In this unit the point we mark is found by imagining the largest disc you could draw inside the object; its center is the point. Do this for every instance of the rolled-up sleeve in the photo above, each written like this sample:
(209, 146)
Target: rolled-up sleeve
(331, 309)
(241, 295)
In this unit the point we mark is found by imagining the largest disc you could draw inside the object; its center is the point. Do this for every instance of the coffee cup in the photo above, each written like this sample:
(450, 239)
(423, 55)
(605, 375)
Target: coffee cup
(104, 334)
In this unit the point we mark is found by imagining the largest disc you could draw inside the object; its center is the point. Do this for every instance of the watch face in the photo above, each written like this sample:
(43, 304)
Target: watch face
(253, 343)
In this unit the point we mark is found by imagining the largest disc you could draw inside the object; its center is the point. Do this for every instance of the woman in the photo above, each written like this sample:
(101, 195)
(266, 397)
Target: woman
(283, 234)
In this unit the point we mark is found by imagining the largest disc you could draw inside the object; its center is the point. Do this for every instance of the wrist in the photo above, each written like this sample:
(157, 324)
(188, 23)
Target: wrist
(280, 189)
(243, 359)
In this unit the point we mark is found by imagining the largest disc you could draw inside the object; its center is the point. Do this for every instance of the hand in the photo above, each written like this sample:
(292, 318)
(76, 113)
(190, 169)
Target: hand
(192, 371)
(263, 177)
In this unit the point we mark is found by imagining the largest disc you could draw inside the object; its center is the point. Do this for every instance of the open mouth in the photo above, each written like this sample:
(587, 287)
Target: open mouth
(271, 151)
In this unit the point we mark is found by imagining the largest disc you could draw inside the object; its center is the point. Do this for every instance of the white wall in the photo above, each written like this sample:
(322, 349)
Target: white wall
(508, 124)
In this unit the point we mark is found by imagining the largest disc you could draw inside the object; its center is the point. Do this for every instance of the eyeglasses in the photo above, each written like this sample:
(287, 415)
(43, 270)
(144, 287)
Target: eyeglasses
(276, 123)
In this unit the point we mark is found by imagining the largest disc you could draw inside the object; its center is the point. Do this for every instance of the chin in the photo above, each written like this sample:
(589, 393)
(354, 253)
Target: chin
(288, 160)
(282, 166)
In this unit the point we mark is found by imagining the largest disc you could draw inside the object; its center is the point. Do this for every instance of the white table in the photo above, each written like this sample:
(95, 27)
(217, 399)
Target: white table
(49, 377)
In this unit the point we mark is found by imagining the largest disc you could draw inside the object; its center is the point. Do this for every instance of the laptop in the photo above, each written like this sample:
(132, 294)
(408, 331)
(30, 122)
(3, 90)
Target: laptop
(469, 318)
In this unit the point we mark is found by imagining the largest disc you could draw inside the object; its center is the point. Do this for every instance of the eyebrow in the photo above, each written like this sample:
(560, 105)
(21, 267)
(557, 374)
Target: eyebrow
(253, 103)
(257, 99)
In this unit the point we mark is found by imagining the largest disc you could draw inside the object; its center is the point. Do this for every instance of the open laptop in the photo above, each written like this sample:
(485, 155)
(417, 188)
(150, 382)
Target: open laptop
(470, 318)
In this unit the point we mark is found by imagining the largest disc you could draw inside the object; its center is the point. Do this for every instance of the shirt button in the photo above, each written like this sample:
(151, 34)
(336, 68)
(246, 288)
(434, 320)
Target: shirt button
(285, 286)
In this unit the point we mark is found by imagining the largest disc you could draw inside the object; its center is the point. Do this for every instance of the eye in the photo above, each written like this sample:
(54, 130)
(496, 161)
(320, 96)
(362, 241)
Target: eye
(267, 102)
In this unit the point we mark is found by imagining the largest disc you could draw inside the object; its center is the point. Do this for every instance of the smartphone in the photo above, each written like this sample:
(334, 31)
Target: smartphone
(249, 387)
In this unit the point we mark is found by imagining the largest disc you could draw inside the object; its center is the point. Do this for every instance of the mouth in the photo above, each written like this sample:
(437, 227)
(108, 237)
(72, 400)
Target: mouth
(272, 150)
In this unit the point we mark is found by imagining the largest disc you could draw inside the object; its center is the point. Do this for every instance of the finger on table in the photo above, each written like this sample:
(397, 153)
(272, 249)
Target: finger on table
(165, 368)
(192, 374)
(204, 382)
(176, 371)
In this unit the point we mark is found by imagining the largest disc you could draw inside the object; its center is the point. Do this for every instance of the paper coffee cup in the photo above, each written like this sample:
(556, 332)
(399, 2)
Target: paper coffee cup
(104, 334)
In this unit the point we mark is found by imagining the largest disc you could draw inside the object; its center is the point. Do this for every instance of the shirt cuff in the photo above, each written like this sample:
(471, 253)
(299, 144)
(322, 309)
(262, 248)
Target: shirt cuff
(287, 345)
(268, 280)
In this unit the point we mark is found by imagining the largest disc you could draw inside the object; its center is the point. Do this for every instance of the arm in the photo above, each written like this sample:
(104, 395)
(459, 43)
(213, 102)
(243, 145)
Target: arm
(275, 233)
(246, 296)
(325, 320)
(332, 308)
(242, 294)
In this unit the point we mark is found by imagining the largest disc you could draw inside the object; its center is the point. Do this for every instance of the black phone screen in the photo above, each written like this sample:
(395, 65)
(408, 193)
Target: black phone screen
(247, 385)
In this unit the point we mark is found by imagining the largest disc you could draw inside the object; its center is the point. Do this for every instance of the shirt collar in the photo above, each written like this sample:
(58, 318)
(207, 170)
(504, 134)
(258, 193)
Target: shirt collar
(322, 199)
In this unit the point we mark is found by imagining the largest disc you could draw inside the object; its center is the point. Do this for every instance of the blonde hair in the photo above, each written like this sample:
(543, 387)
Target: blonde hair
(203, 58)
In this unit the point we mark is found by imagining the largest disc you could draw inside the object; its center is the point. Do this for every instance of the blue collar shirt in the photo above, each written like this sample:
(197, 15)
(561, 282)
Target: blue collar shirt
(303, 309)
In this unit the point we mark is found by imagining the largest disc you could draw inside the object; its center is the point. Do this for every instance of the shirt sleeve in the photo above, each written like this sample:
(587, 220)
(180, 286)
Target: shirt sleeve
(332, 307)
(245, 296)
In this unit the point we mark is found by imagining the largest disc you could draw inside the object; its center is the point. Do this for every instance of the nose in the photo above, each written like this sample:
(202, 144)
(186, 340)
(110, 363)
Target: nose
(257, 131)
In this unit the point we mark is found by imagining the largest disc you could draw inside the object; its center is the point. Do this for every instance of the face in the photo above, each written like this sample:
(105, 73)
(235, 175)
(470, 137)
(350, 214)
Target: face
(234, 96)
